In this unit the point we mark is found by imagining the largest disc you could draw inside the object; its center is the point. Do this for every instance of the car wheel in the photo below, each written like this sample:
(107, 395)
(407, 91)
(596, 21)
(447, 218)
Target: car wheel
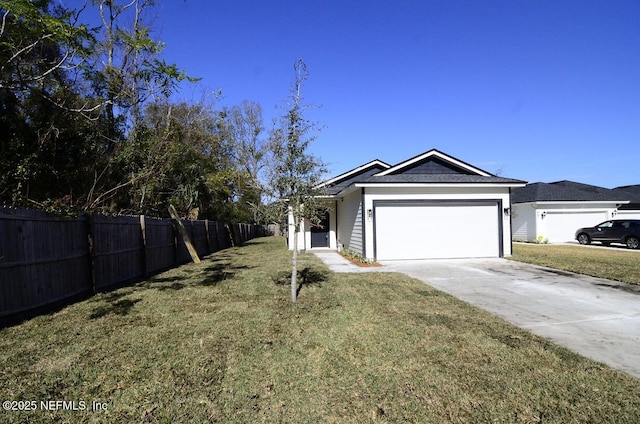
(633, 242)
(584, 238)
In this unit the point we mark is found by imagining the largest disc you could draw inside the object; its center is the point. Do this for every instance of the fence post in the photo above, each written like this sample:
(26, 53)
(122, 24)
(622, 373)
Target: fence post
(176, 245)
(206, 231)
(92, 252)
(143, 233)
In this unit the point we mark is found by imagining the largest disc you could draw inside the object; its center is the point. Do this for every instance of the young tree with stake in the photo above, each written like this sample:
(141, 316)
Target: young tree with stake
(296, 173)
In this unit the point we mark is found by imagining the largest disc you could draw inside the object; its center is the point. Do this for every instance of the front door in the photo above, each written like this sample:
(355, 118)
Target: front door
(320, 232)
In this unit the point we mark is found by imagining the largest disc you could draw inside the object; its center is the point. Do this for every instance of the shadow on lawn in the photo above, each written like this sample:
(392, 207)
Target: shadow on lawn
(306, 277)
(211, 274)
(114, 304)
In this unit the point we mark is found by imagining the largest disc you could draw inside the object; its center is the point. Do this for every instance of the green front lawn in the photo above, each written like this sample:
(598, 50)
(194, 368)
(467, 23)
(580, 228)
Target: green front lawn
(221, 342)
(614, 264)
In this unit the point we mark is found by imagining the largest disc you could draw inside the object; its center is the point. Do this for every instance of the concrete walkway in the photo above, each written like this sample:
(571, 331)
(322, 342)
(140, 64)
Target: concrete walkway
(597, 318)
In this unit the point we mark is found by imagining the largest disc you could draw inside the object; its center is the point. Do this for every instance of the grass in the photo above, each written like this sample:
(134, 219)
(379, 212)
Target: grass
(221, 342)
(619, 265)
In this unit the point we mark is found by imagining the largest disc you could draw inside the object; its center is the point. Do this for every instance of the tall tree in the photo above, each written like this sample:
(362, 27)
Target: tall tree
(177, 153)
(126, 72)
(297, 173)
(244, 128)
(44, 150)
(37, 43)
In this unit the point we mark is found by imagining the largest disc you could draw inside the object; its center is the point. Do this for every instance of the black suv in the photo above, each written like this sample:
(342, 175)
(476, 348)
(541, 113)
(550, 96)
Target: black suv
(625, 231)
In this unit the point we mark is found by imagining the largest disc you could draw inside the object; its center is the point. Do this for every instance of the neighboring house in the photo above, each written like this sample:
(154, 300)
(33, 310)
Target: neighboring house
(430, 206)
(552, 212)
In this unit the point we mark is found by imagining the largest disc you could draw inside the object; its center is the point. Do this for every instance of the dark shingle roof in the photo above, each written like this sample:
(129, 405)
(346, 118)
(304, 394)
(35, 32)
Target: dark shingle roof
(432, 167)
(631, 191)
(341, 184)
(568, 191)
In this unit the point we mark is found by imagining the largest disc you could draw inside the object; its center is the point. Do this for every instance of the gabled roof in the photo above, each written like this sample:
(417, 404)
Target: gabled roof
(565, 191)
(432, 167)
(433, 162)
(363, 172)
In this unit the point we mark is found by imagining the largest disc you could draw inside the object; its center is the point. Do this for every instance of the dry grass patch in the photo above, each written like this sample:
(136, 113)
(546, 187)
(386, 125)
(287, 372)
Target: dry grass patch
(613, 264)
(221, 342)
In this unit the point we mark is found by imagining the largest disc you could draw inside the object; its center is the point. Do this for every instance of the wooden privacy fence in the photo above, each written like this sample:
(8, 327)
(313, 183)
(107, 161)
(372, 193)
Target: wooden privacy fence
(46, 260)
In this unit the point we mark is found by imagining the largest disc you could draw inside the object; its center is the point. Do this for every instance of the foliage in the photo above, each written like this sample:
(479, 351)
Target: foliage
(244, 133)
(356, 257)
(86, 123)
(44, 151)
(296, 173)
(38, 43)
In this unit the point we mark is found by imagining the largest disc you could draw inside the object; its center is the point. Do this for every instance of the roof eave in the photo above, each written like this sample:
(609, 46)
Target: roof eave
(344, 175)
(441, 184)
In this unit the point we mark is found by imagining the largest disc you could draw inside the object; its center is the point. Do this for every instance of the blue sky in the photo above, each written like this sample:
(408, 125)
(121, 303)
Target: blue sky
(536, 90)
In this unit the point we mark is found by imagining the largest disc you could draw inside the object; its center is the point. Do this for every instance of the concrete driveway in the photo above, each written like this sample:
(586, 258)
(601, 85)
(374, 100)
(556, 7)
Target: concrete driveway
(597, 318)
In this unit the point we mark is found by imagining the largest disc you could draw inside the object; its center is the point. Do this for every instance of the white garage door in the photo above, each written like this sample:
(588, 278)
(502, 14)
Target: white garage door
(628, 214)
(421, 230)
(561, 226)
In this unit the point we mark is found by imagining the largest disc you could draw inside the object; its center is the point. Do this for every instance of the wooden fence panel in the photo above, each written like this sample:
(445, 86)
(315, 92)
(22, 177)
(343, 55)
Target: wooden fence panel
(215, 236)
(160, 246)
(117, 251)
(212, 241)
(43, 259)
(223, 235)
(200, 238)
(46, 260)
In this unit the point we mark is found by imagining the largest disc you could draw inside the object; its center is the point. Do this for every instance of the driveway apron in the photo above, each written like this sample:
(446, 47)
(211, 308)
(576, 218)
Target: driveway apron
(597, 318)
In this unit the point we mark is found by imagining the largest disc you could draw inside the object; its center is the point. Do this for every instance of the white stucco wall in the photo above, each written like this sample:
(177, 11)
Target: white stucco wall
(301, 235)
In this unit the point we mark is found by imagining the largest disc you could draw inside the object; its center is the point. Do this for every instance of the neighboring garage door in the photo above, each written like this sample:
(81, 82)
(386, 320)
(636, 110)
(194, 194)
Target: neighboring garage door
(627, 214)
(442, 229)
(562, 226)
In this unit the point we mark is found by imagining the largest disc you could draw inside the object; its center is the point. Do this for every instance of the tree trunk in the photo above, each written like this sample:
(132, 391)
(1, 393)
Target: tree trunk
(294, 269)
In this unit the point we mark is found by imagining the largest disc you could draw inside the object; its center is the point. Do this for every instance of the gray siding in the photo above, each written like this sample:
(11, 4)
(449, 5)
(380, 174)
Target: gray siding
(355, 243)
(350, 222)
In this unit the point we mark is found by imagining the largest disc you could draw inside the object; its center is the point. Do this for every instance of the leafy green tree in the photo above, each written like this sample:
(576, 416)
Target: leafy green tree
(38, 42)
(179, 155)
(296, 173)
(44, 149)
(244, 132)
(126, 70)
(124, 74)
